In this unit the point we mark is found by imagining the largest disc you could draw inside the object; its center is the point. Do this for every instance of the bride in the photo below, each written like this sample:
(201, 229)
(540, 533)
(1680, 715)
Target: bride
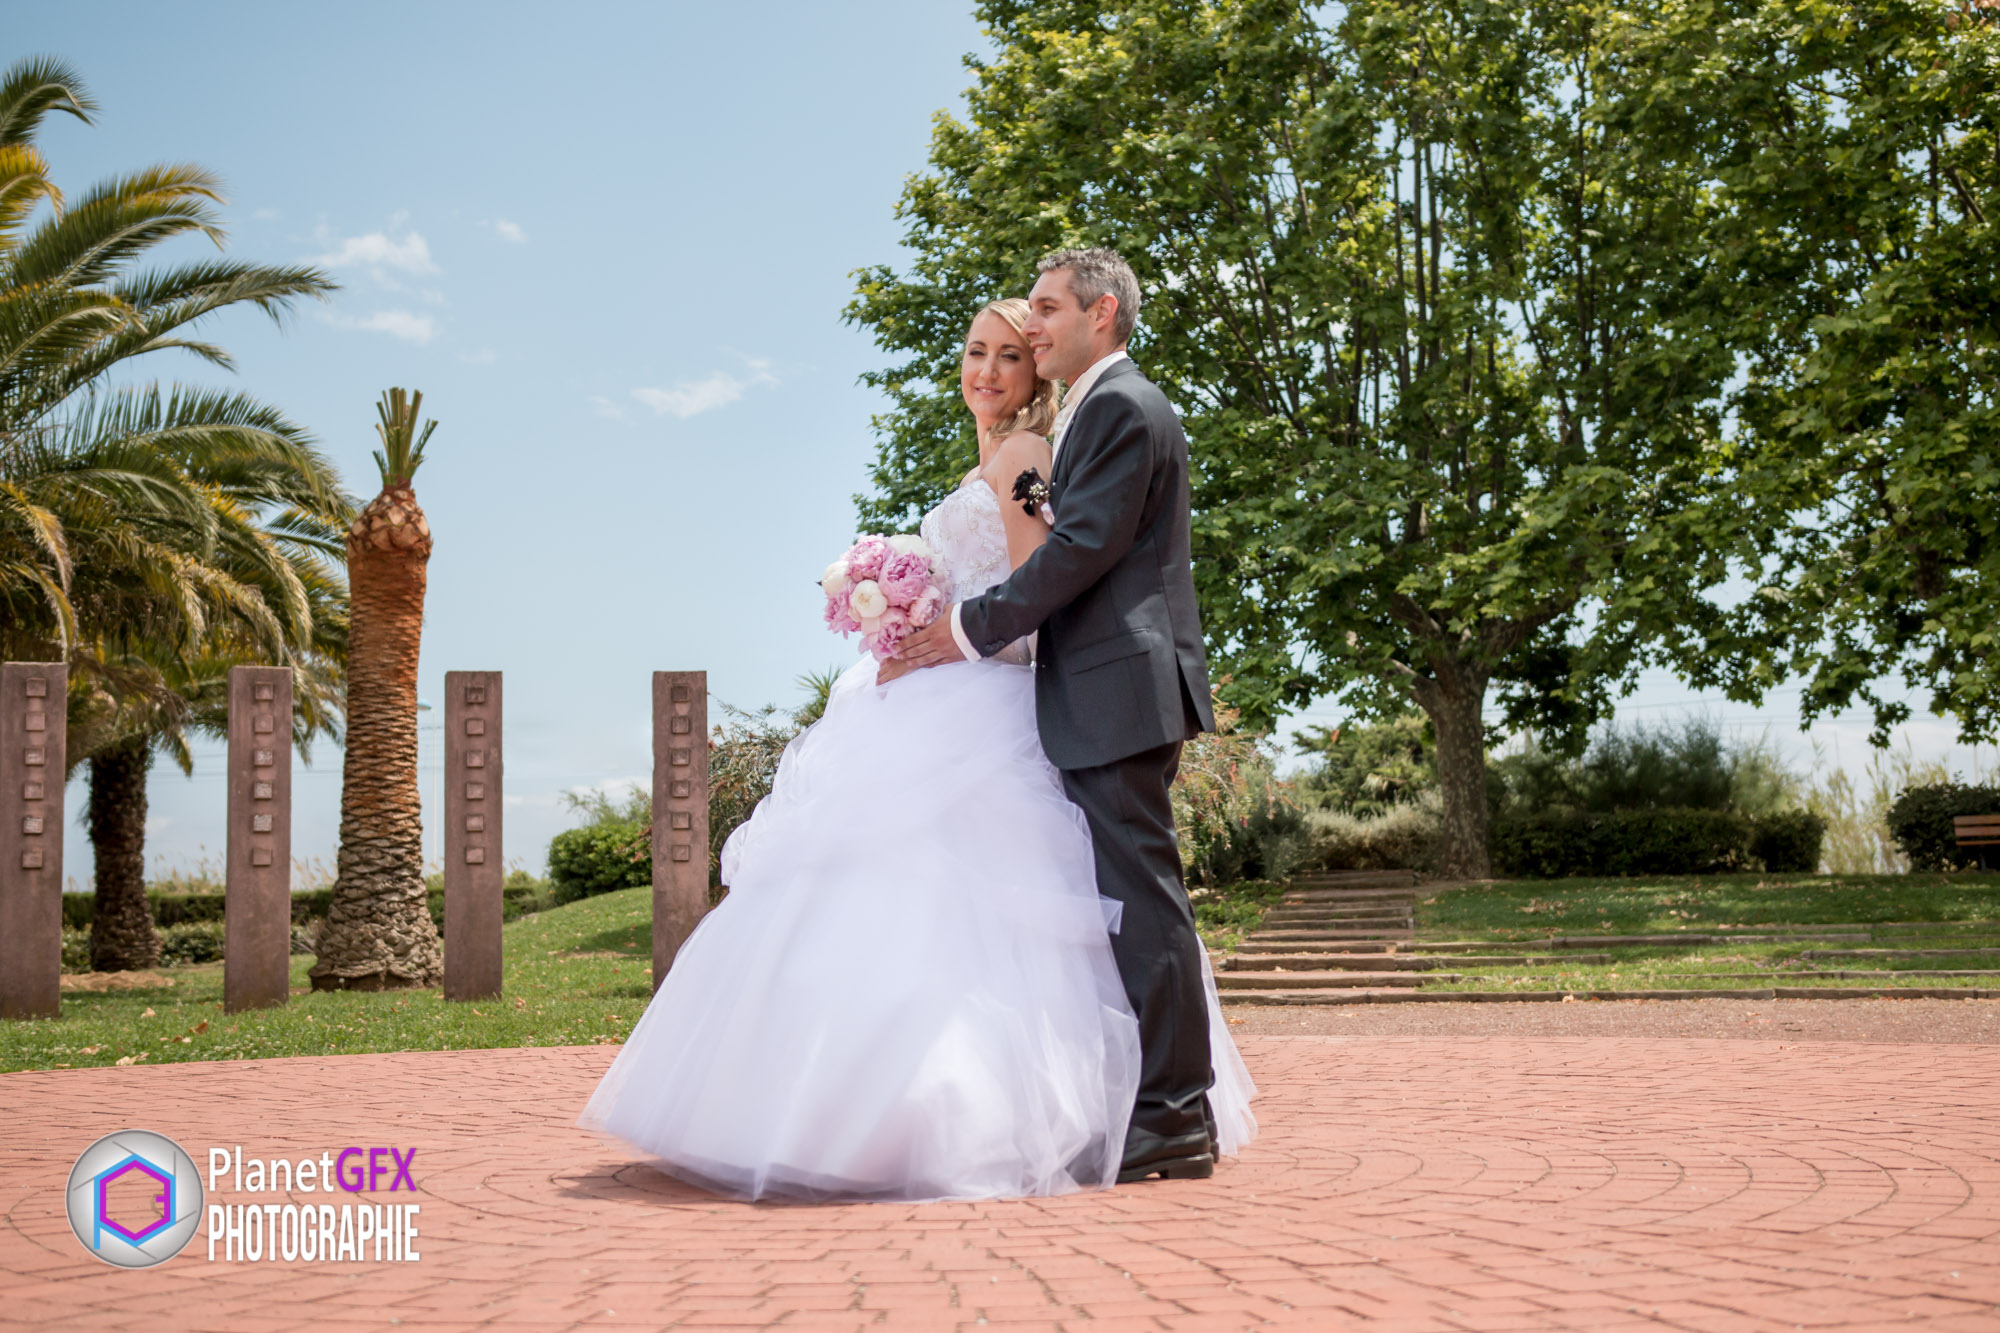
(909, 992)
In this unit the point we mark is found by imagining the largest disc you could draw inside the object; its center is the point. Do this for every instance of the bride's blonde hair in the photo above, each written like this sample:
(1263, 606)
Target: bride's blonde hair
(1039, 413)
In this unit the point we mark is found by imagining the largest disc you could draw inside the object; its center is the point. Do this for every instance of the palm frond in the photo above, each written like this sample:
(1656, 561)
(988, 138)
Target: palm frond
(114, 224)
(24, 183)
(35, 87)
(402, 451)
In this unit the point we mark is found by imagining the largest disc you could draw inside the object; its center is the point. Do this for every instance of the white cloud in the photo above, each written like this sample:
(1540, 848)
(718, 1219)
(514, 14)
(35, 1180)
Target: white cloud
(396, 323)
(266, 215)
(691, 398)
(378, 252)
(485, 356)
(606, 408)
(507, 231)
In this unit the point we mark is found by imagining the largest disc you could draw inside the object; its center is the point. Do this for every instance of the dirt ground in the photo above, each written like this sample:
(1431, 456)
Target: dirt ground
(1974, 1021)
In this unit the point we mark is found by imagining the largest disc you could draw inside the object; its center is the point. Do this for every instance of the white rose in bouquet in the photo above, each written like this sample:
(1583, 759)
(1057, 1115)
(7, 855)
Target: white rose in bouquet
(909, 543)
(867, 601)
(835, 581)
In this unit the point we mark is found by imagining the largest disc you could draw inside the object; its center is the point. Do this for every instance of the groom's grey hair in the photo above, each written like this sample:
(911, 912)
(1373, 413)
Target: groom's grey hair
(1097, 273)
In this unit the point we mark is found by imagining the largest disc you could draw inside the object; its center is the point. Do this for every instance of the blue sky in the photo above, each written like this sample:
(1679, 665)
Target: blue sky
(610, 243)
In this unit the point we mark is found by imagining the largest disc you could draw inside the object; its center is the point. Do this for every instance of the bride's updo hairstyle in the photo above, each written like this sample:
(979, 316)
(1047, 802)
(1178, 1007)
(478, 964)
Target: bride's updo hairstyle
(1039, 414)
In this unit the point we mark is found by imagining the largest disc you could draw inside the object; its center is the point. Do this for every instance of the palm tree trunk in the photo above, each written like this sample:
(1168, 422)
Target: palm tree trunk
(378, 933)
(122, 938)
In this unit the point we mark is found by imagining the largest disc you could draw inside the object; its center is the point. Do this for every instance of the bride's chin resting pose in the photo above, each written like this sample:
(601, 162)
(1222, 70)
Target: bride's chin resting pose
(909, 991)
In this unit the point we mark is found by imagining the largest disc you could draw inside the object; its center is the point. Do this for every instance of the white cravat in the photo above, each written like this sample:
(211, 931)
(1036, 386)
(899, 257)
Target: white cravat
(1071, 401)
(1074, 398)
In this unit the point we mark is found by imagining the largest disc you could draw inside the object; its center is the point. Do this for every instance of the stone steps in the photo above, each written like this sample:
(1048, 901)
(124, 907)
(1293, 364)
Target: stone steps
(1247, 964)
(1900, 953)
(1355, 879)
(1229, 983)
(1351, 939)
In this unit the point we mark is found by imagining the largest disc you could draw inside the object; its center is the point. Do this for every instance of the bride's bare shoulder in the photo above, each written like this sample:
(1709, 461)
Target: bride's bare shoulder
(1022, 449)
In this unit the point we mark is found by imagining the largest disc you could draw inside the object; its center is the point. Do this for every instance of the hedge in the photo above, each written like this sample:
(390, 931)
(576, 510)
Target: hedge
(1920, 822)
(1655, 842)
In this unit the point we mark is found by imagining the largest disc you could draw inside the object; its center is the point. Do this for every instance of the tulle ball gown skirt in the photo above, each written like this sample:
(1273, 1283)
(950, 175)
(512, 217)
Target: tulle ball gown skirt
(909, 991)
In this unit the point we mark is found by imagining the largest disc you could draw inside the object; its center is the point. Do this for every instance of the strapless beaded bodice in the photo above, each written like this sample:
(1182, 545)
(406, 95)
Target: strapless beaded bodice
(966, 532)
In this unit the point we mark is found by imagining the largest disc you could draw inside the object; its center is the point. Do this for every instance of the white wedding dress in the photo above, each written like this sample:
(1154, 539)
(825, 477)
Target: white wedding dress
(909, 991)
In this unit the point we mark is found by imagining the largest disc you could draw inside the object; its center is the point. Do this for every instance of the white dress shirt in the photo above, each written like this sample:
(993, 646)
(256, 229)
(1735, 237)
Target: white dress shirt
(1071, 401)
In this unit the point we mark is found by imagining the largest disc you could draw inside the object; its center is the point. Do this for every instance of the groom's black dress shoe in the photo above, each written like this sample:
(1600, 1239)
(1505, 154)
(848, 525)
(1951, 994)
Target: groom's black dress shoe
(1183, 1157)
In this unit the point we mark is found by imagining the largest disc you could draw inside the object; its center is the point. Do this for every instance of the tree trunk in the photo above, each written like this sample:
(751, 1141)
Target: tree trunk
(1454, 700)
(121, 919)
(378, 933)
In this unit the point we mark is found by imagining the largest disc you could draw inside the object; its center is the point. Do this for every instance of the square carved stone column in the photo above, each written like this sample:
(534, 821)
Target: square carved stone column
(680, 812)
(33, 697)
(473, 868)
(257, 901)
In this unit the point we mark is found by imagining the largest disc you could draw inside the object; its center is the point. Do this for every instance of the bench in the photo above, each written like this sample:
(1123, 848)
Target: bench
(1981, 831)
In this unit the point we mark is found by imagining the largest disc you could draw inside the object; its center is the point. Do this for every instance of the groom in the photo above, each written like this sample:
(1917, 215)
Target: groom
(1122, 678)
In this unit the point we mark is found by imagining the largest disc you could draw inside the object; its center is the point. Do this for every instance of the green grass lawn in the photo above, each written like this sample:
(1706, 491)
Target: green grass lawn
(1525, 909)
(573, 975)
(582, 973)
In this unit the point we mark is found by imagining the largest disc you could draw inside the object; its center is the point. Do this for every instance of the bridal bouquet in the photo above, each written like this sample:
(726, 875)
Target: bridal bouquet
(883, 587)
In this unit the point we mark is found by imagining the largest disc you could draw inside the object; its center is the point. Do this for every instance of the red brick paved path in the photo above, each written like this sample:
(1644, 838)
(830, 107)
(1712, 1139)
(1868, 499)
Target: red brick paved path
(1400, 1183)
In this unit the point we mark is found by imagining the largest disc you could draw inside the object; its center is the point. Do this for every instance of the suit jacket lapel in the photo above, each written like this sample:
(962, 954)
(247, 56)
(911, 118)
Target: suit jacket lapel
(1057, 473)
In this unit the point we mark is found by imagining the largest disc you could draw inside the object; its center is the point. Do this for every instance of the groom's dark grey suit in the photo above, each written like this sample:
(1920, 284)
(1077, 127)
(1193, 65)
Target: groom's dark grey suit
(1121, 682)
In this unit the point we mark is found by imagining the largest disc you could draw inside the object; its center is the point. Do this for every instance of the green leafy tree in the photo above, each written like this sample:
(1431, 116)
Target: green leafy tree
(1433, 315)
(1855, 155)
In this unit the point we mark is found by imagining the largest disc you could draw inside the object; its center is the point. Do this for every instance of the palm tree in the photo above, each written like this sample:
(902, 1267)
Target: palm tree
(378, 933)
(140, 533)
(196, 702)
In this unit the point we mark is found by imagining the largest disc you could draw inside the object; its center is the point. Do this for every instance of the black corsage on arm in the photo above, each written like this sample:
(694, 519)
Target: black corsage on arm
(1033, 493)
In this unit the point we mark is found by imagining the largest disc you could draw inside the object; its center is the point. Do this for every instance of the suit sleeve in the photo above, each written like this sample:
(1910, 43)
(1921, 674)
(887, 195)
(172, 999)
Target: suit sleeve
(1097, 522)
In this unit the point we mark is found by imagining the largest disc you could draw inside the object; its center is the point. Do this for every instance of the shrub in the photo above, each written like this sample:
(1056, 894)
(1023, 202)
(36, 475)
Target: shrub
(75, 949)
(743, 757)
(1234, 817)
(1788, 842)
(521, 894)
(190, 942)
(1404, 837)
(1624, 842)
(1366, 770)
(599, 858)
(1920, 822)
(1684, 767)
(1267, 843)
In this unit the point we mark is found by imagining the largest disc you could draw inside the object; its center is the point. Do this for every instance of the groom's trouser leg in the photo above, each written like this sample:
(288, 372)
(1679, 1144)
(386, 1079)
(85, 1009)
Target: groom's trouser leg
(1159, 954)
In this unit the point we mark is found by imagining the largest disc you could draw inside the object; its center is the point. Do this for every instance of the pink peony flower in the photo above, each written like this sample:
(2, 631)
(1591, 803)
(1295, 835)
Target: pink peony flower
(866, 558)
(906, 578)
(838, 618)
(927, 607)
(891, 629)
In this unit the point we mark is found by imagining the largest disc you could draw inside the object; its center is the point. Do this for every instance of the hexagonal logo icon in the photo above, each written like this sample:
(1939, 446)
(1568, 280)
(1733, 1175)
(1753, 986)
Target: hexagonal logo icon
(134, 1198)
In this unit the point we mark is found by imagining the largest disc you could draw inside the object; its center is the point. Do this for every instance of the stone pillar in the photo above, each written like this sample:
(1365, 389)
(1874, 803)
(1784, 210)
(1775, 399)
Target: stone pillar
(680, 811)
(33, 697)
(473, 866)
(257, 902)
